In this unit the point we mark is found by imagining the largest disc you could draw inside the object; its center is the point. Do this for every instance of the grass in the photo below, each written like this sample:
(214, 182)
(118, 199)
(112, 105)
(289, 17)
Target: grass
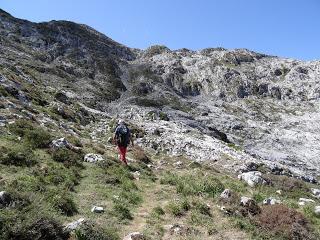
(194, 184)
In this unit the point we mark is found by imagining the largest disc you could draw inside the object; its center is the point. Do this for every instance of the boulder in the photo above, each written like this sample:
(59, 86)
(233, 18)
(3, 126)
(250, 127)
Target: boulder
(60, 143)
(316, 192)
(271, 201)
(304, 201)
(226, 194)
(74, 225)
(5, 199)
(134, 236)
(93, 158)
(63, 143)
(96, 209)
(317, 210)
(252, 178)
(249, 206)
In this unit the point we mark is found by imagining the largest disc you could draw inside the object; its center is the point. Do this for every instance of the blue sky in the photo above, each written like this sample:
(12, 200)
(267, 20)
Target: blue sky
(288, 28)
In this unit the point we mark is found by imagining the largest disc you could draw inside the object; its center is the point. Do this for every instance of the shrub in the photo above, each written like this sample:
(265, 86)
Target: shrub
(67, 157)
(18, 155)
(283, 221)
(194, 184)
(39, 228)
(140, 155)
(38, 137)
(179, 208)
(35, 136)
(89, 231)
(122, 212)
(63, 202)
(21, 126)
(202, 208)
(158, 211)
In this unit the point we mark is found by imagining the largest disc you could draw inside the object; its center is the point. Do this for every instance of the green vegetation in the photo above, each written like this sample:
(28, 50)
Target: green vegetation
(197, 184)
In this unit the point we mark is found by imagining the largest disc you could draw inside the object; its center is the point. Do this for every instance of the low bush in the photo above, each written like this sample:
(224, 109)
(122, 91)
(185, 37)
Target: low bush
(89, 231)
(140, 155)
(35, 136)
(194, 184)
(21, 227)
(38, 138)
(63, 202)
(283, 221)
(178, 208)
(18, 155)
(122, 212)
(68, 157)
(158, 211)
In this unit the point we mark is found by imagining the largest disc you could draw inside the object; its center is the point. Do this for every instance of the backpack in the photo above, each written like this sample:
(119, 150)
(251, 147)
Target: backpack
(122, 135)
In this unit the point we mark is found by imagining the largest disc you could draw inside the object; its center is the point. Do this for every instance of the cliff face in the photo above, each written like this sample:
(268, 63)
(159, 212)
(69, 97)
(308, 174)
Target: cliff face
(235, 105)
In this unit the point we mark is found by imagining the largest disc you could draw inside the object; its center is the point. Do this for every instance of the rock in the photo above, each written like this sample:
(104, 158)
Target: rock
(93, 158)
(182, 230)
(249, 206)
(309, 179)
(136, 175)
(62, 97)
(63, 143)
(134, 236)
(5, 199)
(252, 178)
(60, 143)
(244, 201)
(317, 210)
(226, 194)
(225, 210)
(96, 209)
(279, 192)
(304, 201)
(178, 164)
(316, 192)
(74, 225)
(271, 201)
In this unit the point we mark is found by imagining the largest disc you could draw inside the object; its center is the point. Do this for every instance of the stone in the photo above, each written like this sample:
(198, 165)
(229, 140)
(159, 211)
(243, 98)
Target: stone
(317, 210)
(226, 194)
(249, 206)
(136, 175)
(60, 143)
(74, 225)
(93, 158)
(279, 192)
(252, 178)
(316, 192)
(271, 201)
(96, 209)
(304, 201)
(134, 236)
(5, 199)
(178, 164)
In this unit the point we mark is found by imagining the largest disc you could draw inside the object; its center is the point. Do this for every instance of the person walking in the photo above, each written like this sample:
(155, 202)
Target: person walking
(122, 138)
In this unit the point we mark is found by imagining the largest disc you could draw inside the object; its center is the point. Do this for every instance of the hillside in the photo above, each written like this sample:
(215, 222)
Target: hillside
(199, 119)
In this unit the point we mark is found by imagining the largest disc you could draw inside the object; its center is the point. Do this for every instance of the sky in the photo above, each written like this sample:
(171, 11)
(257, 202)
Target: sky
(286, 28)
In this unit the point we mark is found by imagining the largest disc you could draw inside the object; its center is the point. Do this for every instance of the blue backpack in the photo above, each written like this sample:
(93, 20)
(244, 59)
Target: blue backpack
(123, 134)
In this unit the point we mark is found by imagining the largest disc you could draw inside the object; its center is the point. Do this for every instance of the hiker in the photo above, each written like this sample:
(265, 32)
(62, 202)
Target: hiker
(122, 138)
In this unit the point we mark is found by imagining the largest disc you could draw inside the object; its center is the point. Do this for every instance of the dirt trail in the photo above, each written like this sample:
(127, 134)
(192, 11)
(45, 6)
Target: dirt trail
(150, 201)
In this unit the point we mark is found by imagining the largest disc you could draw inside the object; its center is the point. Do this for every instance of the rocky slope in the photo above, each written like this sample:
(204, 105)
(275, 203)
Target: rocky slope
(268, 107)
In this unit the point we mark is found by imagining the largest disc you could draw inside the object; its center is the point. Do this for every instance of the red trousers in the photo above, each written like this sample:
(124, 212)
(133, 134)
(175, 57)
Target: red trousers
(122, 152)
